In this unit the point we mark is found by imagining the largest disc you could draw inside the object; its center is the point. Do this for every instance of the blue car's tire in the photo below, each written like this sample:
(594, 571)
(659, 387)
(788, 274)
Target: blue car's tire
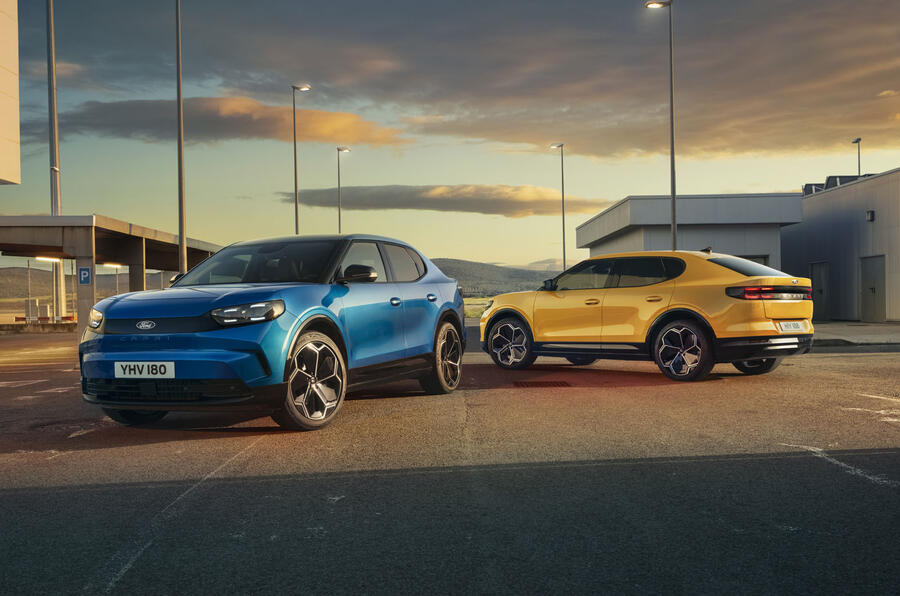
(446, 371)
(316, 383)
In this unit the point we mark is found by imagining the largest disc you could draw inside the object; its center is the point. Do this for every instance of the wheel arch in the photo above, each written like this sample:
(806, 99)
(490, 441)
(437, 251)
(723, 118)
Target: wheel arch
(325, 325)
(677, 314)
(502, 314)
(448, 314)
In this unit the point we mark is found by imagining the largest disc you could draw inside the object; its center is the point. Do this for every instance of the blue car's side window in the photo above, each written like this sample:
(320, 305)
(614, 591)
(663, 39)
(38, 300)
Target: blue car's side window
(402, 264)
(365, 253)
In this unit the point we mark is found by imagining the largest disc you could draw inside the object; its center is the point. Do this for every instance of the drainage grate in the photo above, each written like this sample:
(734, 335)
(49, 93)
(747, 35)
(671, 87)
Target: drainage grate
(531, 384)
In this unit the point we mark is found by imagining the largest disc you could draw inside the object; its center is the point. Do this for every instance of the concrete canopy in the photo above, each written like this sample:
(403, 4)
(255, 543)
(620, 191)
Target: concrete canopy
(93, 239)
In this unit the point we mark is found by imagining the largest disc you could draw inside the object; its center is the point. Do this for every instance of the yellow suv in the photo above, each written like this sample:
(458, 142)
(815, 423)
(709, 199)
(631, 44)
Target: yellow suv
(685, 310)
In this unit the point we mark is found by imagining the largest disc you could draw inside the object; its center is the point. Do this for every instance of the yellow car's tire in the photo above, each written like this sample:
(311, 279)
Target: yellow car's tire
(581, 360)
(683, 352)
(757, 367)
(510, 344)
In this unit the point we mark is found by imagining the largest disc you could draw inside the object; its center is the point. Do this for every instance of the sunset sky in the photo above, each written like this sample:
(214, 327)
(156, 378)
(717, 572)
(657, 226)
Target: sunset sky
(449, 109)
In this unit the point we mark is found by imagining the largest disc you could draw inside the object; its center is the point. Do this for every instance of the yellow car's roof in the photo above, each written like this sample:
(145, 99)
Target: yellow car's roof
(661, 253)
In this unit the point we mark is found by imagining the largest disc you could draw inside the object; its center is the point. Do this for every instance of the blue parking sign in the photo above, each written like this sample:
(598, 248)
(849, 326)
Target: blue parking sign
(84, 276)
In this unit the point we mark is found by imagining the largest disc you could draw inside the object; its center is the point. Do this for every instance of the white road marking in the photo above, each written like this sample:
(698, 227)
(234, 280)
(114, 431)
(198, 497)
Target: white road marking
(57, 390)
(16, 384)
(879, 397)
(78, 433)
(118, 565)
(879, 412)
(820, 453)
(24, 397)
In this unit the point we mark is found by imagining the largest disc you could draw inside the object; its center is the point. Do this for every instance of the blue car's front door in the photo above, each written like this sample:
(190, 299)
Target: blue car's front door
(421, 304)
(371, 313)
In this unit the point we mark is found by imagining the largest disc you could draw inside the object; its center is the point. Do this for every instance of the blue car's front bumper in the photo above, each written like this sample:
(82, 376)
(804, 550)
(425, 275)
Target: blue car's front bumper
(241, 367)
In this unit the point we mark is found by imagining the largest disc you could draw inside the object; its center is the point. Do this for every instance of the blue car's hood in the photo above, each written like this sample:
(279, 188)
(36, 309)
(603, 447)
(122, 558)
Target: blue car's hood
(190, 301)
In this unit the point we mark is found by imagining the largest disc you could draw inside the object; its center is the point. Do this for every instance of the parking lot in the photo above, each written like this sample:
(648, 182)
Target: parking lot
(607, 478)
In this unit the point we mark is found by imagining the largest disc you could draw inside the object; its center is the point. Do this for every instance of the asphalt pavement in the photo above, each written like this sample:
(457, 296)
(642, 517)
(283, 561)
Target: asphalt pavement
(601, 479)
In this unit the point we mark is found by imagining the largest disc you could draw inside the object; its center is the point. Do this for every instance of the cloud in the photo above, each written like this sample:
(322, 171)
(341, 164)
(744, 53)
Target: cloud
(212, 119)
(487, 199)
(888, 93)
(588, 73)
(37, 69)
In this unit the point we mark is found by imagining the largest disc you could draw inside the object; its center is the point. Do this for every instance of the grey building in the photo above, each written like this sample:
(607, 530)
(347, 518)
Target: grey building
(849, 245)
(746, 225)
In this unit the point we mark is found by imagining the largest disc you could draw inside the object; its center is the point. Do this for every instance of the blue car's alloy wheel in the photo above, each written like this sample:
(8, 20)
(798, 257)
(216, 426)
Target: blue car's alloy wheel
(316, 383)
(447, 371)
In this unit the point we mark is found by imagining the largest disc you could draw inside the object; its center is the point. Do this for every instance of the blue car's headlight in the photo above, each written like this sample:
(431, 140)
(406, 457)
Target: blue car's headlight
(96, 318)
(248, 313)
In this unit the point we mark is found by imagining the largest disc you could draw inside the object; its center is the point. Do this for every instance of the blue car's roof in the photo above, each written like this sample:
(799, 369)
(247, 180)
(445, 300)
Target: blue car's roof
(324, 237)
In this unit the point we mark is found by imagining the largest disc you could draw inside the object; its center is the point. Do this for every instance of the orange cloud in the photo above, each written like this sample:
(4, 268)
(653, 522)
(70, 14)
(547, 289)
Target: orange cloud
(212, 119)
(487, 199)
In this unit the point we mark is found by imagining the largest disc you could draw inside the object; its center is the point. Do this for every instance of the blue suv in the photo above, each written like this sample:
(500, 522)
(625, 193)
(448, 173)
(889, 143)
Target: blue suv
(285, 324)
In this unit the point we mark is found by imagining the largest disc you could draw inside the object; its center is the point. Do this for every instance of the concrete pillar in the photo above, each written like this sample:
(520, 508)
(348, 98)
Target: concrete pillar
(136, 259)
(80, 243)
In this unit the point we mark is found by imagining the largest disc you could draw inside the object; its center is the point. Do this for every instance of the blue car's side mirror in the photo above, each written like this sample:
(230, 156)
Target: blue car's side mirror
(358, 273)
(175, 277)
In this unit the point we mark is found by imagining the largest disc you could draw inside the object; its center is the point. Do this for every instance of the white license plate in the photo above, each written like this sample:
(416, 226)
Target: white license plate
(145, 370)
(792, 325)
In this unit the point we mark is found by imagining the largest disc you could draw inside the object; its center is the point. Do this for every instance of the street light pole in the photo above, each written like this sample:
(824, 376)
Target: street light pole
(668, 4)
(294, 89)
(562, 185)
(339, 151)
(182, 238)
(57, 273)
(858, 142)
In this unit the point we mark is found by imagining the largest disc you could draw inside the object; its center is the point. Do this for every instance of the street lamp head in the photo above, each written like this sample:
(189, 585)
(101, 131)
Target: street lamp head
(658, 4)
(857, 140)
(557, 145)
(343, 149)
(303, 87)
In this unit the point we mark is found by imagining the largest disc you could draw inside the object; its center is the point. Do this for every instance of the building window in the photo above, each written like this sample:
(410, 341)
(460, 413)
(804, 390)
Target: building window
(761, 259)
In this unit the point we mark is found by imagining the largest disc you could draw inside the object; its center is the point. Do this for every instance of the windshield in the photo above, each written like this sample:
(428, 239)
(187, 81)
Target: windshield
(748, 268)
(270, 262)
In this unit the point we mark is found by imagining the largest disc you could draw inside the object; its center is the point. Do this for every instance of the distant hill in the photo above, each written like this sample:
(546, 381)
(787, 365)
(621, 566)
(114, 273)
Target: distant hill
(482, 279)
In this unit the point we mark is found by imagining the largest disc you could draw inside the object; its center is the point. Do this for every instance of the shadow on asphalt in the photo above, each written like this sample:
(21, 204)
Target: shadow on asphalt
(490, 376)
(785, 523)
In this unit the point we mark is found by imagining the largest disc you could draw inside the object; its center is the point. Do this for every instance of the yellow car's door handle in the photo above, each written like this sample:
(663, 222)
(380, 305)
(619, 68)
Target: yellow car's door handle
(591, 301)
(653, 298)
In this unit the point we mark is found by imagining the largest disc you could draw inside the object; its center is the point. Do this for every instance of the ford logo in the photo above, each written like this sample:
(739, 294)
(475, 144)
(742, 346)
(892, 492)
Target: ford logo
(145, 325)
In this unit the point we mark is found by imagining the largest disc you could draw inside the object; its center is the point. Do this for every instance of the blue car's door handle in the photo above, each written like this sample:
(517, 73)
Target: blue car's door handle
(431, 297)
(395, 302)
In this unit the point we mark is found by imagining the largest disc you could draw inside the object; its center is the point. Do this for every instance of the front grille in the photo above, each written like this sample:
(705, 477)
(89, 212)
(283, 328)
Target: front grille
(171, 390)
(164, 325)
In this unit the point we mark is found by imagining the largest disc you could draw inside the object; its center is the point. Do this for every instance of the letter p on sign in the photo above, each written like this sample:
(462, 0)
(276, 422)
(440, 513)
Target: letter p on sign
(84, 276)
